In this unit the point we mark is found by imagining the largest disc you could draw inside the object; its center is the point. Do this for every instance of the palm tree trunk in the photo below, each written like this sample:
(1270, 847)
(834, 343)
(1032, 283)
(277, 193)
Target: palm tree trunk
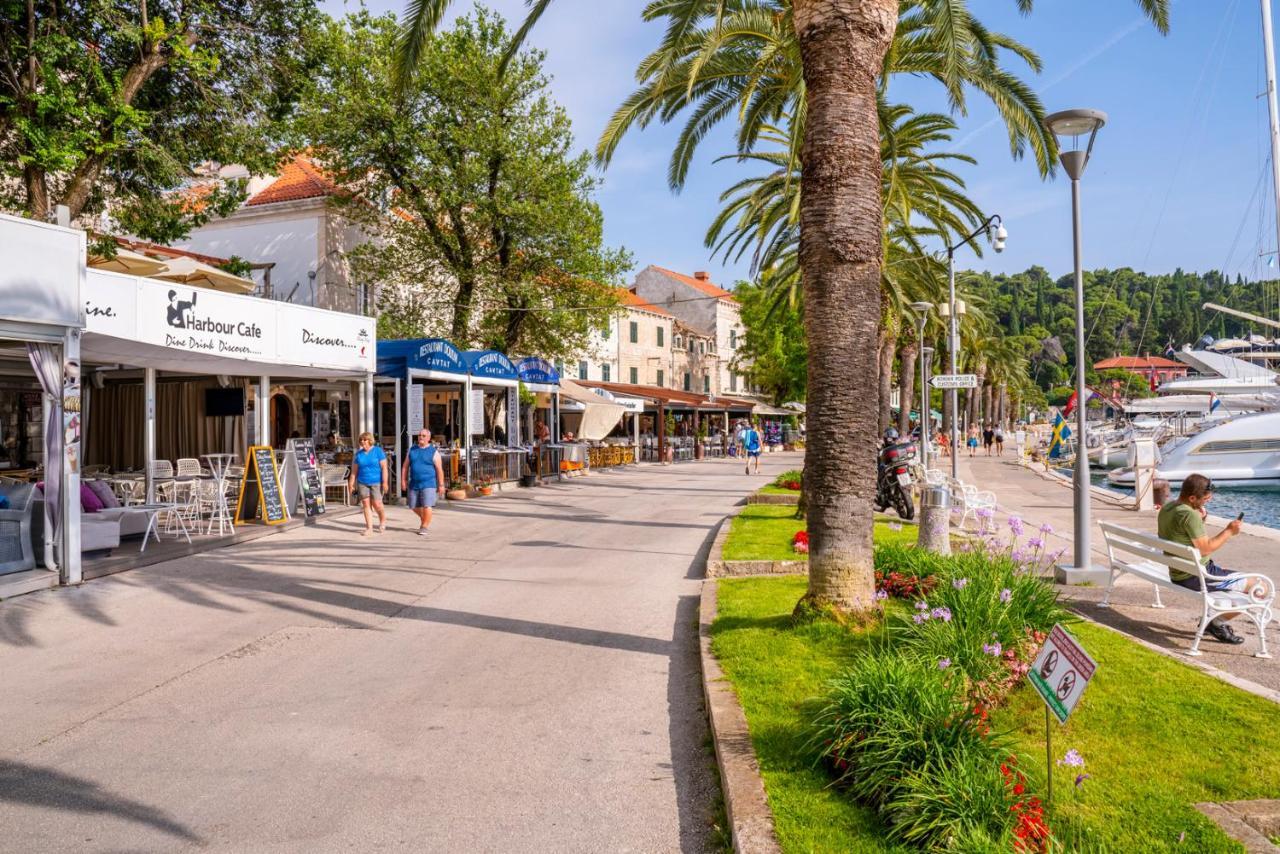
(907, 388)
(888, 344)
(842, 48)
(988, 409)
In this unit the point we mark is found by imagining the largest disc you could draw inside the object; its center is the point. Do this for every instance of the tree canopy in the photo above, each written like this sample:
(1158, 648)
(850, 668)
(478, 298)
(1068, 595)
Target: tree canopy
(484, 220)
(112, 104)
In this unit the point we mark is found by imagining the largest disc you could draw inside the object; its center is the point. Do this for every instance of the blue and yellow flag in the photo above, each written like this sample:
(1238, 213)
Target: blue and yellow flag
(1061, 433)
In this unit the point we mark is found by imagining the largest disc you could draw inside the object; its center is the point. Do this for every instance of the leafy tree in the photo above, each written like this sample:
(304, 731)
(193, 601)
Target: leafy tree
(109, 104)
(773, 352)
(467, 179)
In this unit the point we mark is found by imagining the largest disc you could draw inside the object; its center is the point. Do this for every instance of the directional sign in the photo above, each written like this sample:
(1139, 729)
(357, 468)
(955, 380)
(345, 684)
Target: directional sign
(1061, 672)
(954, 381)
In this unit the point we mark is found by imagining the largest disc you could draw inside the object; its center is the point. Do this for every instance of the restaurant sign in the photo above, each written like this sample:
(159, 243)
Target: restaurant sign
(204, 321)
(437, 354)
(535, 370)
(490, 364)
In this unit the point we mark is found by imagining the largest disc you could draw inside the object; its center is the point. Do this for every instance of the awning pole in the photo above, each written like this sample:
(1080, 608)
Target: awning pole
(263, 416)
(466, 425)
(635, 431)
(366, 409)
(149, 431)
(72, 459)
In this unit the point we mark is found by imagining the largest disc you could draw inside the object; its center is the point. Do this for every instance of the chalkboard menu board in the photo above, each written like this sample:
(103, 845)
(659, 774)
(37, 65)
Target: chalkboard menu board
(260, 494)
(302, 477)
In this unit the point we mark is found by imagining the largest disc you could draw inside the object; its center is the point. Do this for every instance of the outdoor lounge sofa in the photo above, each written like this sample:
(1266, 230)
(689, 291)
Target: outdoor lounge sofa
(16, 551)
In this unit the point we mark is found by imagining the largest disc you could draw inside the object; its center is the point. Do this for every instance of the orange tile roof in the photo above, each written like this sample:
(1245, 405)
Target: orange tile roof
(1137, 362)
(698, 284)
(156, 250)
(629, 297)
(299, 179)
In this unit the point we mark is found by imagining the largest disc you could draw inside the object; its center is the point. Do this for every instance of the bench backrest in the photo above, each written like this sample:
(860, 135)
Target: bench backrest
(1150, 548)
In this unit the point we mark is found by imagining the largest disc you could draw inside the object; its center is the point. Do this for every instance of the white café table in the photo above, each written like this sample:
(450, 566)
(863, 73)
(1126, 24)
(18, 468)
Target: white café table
(218, 464)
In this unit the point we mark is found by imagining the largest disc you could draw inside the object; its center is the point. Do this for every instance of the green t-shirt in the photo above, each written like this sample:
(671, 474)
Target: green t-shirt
(1180, 523)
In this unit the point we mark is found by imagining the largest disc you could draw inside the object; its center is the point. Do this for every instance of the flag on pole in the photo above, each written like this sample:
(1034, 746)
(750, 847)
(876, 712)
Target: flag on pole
(1061, 433)
(1214, 403)
(1071, 404)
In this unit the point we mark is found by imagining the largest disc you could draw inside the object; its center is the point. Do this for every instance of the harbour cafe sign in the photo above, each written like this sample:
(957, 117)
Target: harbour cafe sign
(199, 320)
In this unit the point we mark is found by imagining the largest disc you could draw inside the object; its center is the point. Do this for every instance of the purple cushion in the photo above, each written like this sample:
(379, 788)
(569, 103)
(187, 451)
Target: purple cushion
(102, 489)
(89, 503)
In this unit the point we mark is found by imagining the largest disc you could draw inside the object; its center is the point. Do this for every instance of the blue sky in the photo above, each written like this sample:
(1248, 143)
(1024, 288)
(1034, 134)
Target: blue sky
(1174, 181)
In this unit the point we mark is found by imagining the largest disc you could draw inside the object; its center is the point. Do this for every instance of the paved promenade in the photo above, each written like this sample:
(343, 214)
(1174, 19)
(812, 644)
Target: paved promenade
(524, 679)
(1038, 500)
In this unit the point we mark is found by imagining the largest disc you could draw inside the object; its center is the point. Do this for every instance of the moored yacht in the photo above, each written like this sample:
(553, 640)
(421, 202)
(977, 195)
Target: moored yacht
(1243, 450)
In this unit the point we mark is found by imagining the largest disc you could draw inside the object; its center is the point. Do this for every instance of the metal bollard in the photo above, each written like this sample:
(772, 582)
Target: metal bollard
(935, 519)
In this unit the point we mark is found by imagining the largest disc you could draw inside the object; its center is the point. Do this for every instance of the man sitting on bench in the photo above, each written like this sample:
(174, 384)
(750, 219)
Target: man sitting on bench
(1182, 521)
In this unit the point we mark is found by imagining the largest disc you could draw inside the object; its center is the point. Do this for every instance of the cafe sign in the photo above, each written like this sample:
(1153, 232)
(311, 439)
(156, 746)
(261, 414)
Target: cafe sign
(208, 322)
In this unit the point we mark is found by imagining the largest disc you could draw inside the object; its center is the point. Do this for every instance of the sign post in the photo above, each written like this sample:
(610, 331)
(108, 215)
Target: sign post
(947, 381)
(301, 479)
(260, 492)
(1059, 674)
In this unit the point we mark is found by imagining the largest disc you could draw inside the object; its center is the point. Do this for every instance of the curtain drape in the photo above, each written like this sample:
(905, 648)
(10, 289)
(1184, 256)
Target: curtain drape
(46, 361)
(182, 428)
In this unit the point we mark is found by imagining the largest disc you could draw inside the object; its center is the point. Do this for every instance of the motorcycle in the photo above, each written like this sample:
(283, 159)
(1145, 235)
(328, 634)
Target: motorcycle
(893, 479)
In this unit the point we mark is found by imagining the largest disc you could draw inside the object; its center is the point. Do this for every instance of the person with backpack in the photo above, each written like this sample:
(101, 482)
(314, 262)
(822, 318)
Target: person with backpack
(751, 444)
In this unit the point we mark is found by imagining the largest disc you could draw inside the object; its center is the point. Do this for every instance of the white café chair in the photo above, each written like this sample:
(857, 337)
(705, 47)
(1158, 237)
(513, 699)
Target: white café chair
(189, 467)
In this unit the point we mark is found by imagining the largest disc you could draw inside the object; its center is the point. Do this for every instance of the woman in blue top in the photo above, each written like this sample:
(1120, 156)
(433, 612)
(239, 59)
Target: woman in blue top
(751, 444)
(369, 475)
(422, 471)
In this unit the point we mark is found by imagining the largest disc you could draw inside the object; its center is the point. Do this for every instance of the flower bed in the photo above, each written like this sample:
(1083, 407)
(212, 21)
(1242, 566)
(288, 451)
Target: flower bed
(918, 724)
(789, 480)
(767, 532)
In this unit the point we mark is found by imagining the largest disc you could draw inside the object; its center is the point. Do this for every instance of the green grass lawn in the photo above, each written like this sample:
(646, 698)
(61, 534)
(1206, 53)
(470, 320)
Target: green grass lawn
(1156, 735)
(764, 532)
(778, 490)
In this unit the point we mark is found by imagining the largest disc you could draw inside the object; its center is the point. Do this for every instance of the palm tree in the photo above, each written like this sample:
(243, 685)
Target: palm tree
(421, 18)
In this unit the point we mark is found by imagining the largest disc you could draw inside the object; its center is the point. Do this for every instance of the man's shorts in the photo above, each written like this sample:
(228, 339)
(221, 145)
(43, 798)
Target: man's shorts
(371, 491)
(422, 497)
(755, 454)
(1211, 568)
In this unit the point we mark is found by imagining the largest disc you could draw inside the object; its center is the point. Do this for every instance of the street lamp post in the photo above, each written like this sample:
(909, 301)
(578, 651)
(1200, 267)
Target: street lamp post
(994, 228)
(922, 310)
(1070, 126)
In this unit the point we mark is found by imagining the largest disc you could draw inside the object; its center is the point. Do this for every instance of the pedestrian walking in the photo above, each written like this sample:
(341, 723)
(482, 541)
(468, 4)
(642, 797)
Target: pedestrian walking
(751, 444)
(972, 442)
(369, 481)
(999, 442)
(988, 439)
(943, 442)
(424, 475)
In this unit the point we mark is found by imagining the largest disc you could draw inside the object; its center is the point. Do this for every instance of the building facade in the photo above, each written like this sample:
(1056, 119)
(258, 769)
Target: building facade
(636, 347)
(1152, 368)
(294, 237)
(701, 305)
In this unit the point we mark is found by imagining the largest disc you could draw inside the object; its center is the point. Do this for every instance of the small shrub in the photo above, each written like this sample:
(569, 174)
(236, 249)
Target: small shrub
(789, 479)
(959, 805)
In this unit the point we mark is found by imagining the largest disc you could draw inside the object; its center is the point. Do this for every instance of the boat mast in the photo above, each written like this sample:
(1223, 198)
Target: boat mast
(1269, 53)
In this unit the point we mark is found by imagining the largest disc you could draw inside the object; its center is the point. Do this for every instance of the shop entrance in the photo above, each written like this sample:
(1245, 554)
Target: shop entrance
(281, 419)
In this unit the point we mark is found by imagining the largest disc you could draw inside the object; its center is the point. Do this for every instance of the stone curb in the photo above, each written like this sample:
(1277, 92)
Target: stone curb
(773, 498)
(745, 803)
(1236, 827)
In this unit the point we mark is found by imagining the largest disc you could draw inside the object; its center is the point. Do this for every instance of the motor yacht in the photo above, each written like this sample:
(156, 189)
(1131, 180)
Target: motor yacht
(1243, 450)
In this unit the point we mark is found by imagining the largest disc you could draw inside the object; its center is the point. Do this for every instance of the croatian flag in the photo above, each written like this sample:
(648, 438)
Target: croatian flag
(1214, 403)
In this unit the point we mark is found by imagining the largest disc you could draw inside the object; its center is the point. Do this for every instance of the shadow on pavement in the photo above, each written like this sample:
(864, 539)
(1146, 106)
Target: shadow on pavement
(42, 787)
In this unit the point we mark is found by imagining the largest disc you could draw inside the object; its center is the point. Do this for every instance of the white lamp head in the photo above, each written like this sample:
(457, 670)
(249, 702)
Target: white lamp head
(997, 234)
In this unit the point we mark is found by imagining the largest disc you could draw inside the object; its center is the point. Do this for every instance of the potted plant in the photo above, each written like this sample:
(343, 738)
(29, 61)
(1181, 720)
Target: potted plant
(700, 442)
(457, 490)
(484, 486)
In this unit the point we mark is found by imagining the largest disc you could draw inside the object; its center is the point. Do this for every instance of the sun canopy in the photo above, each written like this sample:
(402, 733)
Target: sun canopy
(432, 358)
(490, 367)
(599, 416)
(127, 261)
(537, 374)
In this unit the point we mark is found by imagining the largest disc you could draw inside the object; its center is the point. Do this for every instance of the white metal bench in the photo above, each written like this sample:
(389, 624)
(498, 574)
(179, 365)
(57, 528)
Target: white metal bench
(970, 500)
(1150, 558)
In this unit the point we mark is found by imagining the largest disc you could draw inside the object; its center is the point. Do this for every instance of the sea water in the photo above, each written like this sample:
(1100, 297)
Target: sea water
(1259, 504)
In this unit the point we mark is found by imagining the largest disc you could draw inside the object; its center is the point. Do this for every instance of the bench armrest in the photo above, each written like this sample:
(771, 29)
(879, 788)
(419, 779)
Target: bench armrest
(1263, 590)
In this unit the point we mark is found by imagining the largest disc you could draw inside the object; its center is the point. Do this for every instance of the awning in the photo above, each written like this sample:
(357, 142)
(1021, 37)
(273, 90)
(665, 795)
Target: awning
(598, 416)
(421, 358)
(537, 374)
(766, 409)
(490, 367)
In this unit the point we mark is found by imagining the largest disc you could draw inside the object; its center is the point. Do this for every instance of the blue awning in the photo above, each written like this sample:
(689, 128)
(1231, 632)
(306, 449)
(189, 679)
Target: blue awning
(490, 365)
(535, 371)
(435, 355)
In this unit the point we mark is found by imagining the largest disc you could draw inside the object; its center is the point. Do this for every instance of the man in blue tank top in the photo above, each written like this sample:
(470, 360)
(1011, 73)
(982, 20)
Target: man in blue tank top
(424, 475)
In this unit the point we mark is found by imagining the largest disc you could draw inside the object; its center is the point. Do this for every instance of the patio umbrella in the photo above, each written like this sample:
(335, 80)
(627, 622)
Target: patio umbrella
(127, 261)
(193, 272)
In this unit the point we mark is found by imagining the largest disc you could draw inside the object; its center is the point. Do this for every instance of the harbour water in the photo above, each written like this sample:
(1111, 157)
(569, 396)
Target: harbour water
(1259, 504)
